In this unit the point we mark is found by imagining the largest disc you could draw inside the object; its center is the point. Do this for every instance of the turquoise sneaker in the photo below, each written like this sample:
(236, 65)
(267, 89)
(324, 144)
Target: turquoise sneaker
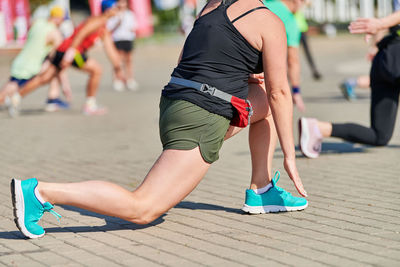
(348, 91)
(27, 208)
(276, 199)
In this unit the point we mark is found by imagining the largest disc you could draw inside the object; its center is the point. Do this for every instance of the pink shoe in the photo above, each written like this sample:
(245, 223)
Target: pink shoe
(93, 110)
(310, 137)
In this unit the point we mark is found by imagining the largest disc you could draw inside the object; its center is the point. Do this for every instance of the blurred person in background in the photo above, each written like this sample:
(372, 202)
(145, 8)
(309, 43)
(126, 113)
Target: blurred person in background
(123, 29)
(349, 85)
(72, 51)
(385, 84)
(303, 27)
(187, 16)
(43, 38)
(285, 10)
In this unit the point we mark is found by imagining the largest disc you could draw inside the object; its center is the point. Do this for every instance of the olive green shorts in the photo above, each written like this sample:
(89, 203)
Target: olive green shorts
(185, 126)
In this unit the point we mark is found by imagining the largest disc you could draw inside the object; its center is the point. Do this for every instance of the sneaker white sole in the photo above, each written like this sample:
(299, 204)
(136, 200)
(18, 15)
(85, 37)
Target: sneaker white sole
(304, 137)
(270, 209)
(19, 208)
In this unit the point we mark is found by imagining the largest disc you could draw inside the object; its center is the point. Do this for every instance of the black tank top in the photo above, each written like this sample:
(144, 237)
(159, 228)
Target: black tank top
(217, 54)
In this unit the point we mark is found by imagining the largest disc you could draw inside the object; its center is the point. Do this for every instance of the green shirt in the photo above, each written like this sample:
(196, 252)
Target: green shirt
(293, 33)
(29, 61)
(301, 21)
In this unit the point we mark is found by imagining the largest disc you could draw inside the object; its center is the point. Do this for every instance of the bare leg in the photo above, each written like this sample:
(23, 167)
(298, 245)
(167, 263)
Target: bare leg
(128, 65)
(39, 80)
(173, 176)
(363, 82)
(94, 69)
(54, 90)
(325, 128)
(8, 89)
(262, 137)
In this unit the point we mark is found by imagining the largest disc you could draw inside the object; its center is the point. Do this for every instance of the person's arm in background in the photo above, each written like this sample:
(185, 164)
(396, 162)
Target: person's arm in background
(274, 50)
(374, 28)
(113, 23)
(112, 54)
(374, 25)
(293, 61)
(90, 26)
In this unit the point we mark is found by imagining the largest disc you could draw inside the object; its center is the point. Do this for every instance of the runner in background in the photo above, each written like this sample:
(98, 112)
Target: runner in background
(43, 37)
(285, 10)
(123, 28)
(303, 27)
(72, 51)
(385, 84)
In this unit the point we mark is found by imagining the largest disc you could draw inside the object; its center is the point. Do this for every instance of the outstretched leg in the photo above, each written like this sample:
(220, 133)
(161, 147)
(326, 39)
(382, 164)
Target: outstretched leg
(173, 176)
(39, 80)
(8, 89)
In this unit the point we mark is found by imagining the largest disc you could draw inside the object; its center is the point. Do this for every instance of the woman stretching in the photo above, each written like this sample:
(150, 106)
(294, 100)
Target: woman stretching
(385, 83)
(225, 46)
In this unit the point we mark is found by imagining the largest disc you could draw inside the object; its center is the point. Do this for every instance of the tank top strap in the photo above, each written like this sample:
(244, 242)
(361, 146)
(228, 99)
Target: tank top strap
(248, 12)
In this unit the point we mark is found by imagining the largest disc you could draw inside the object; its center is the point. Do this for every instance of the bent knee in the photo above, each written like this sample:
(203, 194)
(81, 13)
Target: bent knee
(145, 217)
(144, 212)
(383, 141)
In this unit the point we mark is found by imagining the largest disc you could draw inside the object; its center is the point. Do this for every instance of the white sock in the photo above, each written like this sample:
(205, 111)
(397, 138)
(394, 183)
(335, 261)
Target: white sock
(91, 101)
(39, 197)
(260, 191)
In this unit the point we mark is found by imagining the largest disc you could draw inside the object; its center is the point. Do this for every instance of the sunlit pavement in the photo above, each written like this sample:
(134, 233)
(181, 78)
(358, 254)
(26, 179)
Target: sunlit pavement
(353, 218)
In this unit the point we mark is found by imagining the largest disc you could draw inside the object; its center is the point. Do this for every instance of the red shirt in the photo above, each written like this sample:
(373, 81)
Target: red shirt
(86, 43)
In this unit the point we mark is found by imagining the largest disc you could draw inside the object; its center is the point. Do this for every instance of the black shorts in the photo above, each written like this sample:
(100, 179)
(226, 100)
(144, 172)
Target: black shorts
(77, 63)
(126, 46)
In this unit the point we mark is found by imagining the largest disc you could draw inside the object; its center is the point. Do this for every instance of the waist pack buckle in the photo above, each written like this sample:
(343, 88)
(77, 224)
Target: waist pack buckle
(208, 89)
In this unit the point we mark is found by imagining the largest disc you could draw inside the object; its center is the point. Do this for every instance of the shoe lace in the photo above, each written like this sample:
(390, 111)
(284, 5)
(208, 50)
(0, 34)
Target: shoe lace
(275, 180)
(57, 215)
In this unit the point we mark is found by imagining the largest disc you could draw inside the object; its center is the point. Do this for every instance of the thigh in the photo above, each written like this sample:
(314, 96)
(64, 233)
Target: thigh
(184, 126)
(173, 176)
(91, 66)
(384, 106)
(259, 100)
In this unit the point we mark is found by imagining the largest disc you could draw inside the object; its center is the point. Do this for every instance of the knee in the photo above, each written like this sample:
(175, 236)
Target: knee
(43, 79)
(382, 140)
(143, 212)
(96, 70)
(264, 118)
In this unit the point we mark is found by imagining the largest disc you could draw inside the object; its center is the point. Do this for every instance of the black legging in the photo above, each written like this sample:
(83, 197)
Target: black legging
(307, 51)
(385, 90)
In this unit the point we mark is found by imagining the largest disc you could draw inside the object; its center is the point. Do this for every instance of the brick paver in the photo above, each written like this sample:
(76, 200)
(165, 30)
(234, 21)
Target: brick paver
(353, 218)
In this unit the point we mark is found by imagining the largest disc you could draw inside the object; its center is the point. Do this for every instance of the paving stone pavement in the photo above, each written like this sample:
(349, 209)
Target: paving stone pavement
(353, 218)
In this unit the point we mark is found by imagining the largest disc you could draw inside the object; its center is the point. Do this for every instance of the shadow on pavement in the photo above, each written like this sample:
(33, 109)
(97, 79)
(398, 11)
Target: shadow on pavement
(111, 224)
(203, 206)
(342, 147)
(27, 112)
(331, 99)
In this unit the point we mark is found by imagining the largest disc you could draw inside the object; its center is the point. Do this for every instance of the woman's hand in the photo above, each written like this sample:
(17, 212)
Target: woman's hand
(371, 53)
(291, 169)
(366, 25)
(256, 78)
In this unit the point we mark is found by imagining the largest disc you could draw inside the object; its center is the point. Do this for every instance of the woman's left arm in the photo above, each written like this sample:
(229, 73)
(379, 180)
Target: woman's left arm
(274, 48)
